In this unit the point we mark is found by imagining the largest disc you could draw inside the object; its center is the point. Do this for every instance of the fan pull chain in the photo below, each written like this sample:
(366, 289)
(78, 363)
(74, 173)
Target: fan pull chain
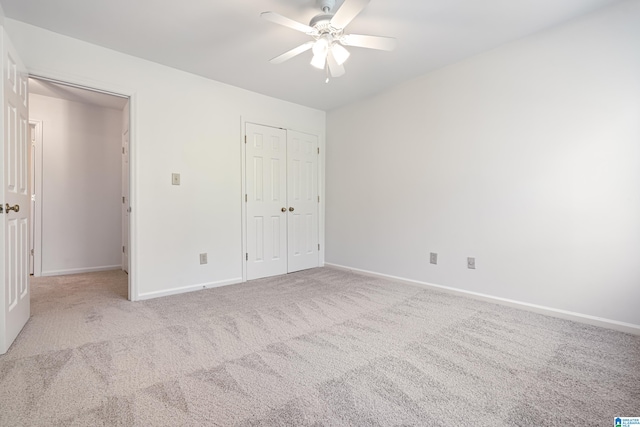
(326, 68)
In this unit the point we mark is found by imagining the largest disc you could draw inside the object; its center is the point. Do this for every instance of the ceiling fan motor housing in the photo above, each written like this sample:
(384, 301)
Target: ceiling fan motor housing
(322, 22)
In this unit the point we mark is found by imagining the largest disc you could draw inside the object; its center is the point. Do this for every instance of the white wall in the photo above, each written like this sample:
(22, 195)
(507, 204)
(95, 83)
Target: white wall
(526, 157)
(180, 123)
(81, 174)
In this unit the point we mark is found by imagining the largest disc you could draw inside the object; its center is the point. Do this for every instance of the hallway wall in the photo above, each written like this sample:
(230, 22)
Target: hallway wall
(81, 185)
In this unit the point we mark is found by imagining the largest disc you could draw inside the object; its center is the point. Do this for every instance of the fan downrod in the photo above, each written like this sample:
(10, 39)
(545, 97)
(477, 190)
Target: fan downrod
(327, 5)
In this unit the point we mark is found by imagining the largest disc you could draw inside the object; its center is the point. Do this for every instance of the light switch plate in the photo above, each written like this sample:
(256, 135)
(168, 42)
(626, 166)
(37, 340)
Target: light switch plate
(203, 258)
(433, 258)
(471, 263)
(175, 178)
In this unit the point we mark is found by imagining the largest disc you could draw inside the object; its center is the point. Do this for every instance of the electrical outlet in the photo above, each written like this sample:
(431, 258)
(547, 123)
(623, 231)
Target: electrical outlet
(471, 263)
(203, 258)
(433, 258)
(175, 179)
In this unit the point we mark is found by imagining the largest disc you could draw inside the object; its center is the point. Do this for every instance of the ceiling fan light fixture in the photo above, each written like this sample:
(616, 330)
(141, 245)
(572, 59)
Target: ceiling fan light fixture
(320, 49)
(319, 60)
(321, 46)
(339, 53)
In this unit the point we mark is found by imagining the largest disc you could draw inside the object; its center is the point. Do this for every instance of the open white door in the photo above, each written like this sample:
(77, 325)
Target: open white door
(14, 195)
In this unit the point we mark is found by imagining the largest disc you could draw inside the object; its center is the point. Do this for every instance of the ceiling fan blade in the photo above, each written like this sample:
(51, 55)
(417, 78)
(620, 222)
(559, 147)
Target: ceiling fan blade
(283, 20)
(349, 10)
(336, 69)
(370, 42)
(291, 53)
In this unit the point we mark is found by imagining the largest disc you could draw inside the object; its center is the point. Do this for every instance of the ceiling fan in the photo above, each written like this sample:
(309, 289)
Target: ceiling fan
(327, 30)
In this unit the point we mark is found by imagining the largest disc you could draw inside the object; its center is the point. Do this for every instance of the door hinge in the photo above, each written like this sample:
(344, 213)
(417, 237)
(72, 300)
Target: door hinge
(318, 150)
(123, 249)
(122, 150)
(246, 198)
(245, 139)
(318, 199)
(122, 199)
(246, 256)
(318, 246)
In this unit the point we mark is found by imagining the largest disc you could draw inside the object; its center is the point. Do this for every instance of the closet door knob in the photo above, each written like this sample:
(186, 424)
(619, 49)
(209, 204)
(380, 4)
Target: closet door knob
(15, 208)
(283, 209)
(291, 209)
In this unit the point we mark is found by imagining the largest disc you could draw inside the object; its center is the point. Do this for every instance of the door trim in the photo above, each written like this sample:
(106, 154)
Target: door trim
(124, 207)
(37, 215)
(74, 80)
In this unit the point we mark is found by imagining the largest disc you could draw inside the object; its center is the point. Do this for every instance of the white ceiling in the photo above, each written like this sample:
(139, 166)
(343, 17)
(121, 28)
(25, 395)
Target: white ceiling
(227, 41)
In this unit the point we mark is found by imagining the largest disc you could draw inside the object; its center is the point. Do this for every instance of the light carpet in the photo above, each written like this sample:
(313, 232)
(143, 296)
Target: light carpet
(322, 347)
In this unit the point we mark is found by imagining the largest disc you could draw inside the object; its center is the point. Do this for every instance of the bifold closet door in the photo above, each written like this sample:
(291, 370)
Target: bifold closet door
(281, 201)
(266, 201)
(302, 197)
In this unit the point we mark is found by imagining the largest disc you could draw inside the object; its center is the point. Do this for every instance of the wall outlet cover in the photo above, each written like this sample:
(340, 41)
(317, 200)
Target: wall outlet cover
(433, 258)
(203, 258)
(175, 179)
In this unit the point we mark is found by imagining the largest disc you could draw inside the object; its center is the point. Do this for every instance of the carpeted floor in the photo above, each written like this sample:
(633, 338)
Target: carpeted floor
(321, 347)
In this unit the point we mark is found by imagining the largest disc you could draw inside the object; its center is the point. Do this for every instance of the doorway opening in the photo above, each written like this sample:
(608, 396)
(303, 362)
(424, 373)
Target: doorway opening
(79, 179)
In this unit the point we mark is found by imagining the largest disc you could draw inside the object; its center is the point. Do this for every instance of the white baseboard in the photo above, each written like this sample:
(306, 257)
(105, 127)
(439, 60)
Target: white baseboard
(192, 288)
(80, 270)
(629, 328)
